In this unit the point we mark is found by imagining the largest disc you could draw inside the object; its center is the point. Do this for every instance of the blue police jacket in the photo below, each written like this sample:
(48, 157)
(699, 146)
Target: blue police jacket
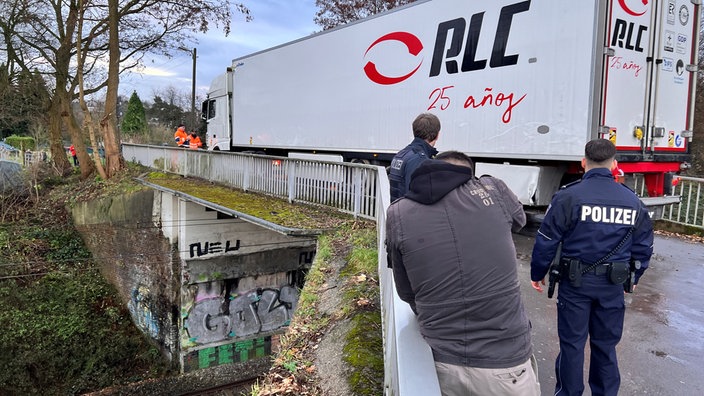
(405, 163)
(591, 217)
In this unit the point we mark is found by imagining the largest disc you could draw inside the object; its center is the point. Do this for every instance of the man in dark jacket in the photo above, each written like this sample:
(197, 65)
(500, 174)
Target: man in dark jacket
(426, 128)
(450, 245)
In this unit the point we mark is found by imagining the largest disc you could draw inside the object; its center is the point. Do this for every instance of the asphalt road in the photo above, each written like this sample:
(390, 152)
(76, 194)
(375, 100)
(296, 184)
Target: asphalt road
(662, 349)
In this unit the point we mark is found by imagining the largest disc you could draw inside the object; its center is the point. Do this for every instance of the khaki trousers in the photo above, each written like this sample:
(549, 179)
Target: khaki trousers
(521, 380)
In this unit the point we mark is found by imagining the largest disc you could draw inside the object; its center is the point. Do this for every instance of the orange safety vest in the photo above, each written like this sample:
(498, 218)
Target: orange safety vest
(180, 136)
(195, 143)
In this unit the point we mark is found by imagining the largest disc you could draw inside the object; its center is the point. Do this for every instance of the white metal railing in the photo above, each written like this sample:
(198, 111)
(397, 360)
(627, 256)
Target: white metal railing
(409, 368)
(690, 209)
(350, 188)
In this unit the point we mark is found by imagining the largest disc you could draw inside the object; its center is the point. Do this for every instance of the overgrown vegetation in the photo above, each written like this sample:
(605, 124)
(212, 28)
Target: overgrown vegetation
(293, 370)
(261, 206)
(64, 328)
(363, 350)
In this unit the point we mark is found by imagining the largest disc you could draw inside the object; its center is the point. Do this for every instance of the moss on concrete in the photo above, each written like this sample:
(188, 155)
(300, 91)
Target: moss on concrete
(265, 207)
(364, 352)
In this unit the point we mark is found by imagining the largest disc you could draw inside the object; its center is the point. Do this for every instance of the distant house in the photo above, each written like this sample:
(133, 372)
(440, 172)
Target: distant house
(6, 147)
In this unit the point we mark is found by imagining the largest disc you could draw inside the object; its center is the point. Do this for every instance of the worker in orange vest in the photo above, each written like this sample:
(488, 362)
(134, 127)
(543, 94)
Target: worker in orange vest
(195, 143)
(180, 136)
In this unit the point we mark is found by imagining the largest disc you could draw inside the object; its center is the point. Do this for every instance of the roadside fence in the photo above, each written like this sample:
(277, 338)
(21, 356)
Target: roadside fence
(350, 188)
(688, 209)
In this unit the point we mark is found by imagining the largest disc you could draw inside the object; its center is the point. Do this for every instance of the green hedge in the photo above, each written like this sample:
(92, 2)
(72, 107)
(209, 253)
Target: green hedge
(21, 142)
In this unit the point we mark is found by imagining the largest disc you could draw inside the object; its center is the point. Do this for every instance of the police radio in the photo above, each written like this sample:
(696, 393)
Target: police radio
(554, 272)
(631, 280)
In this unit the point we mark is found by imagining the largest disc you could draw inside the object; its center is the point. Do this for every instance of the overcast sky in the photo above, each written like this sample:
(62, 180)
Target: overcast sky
(274, 22)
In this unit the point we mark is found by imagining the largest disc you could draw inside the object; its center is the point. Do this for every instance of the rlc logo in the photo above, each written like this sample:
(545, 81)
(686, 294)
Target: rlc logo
(456, 44)
(630, 8)
(414, 46)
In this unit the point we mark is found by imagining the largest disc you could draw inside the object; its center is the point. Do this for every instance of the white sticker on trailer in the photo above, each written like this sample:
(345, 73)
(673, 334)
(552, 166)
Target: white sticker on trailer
(672, 91)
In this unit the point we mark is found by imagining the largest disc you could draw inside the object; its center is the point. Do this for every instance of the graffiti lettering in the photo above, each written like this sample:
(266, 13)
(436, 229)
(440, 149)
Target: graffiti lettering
(198, 249)
(206, 323)
(306, 257)
(142, 309)
(237, 352)
(250, 313)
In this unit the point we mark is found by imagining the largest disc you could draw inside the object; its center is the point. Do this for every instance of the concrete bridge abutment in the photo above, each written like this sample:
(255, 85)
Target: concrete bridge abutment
(208, 285)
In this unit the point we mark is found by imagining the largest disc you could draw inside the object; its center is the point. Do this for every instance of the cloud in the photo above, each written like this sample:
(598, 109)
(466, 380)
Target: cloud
(156, 72)
(274, 22)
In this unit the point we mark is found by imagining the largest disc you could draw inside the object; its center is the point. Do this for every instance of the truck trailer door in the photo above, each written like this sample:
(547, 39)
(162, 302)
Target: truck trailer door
(674, 77)
(648, 90)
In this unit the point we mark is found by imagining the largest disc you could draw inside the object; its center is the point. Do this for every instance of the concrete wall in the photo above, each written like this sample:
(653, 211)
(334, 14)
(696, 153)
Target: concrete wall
(137, 259)
(208, 287)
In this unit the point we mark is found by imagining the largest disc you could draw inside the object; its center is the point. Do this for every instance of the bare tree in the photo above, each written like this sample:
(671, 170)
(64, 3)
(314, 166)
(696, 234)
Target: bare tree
(87, 115)
(44, 35)
(332, 13)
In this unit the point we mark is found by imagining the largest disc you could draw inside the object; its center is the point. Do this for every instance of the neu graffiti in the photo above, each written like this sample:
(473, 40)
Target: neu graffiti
(202, 249)
(257, 311)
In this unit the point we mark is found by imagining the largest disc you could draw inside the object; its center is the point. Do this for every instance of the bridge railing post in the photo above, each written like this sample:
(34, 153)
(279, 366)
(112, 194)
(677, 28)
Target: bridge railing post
(248, 165)
(292, 169)
(357, 182)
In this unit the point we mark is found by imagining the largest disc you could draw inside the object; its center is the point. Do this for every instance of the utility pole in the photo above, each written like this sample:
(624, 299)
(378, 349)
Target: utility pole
(193, 93)
(194, 116)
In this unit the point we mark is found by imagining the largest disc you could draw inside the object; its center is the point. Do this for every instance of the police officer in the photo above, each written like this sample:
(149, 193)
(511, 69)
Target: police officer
(426, 128)
(598, 222)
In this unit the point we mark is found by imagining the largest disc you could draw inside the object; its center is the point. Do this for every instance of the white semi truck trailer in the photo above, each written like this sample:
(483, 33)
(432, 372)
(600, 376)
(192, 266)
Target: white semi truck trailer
(520, 86)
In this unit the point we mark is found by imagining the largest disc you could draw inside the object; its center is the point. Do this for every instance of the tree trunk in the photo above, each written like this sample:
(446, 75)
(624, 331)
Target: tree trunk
(87, 116)
(58, 152)
(85, 163)
(114, 162)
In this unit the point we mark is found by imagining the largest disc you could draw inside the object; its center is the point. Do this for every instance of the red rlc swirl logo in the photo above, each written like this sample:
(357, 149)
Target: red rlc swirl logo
(411, 42)
(632, 8)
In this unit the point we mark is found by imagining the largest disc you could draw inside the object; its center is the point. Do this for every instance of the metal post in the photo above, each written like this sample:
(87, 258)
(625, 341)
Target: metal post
(194, 117)
(193, 94)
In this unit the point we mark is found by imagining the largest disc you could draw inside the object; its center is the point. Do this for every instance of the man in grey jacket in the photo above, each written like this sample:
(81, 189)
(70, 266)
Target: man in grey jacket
(450, 245)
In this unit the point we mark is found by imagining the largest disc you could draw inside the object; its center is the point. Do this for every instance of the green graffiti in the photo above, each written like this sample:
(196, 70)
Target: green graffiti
(225, 354)
(205, 357)
(237, 352)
